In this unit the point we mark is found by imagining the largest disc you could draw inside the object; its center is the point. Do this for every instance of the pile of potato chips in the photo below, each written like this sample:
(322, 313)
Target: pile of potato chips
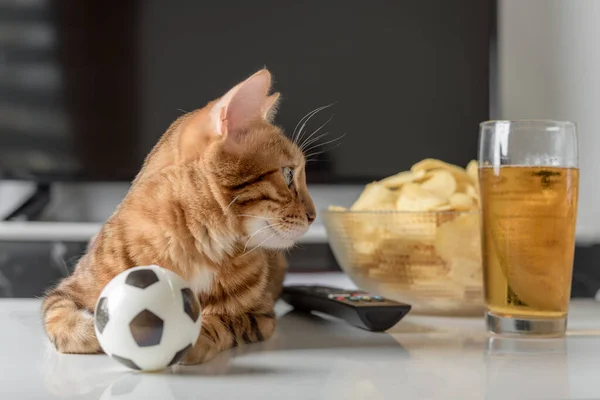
(430, 185)
(428, 252)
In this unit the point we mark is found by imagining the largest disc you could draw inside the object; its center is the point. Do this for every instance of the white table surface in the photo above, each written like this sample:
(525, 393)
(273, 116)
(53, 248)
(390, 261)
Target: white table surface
(316, 358)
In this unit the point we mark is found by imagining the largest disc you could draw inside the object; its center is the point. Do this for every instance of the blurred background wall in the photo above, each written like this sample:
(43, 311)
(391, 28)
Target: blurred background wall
(549, 67)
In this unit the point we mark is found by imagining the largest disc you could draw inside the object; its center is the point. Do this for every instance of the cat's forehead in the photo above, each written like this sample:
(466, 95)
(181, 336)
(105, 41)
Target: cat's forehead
(275, 144)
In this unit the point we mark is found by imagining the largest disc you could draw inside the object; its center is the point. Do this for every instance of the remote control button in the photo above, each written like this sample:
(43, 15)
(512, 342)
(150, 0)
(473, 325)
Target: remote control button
(336, 295)
(377, 298)
(341, 298)
(353, 298)
(365, 298)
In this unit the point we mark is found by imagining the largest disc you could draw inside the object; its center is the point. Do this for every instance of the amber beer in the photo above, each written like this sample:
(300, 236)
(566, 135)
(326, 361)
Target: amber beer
(529, 215)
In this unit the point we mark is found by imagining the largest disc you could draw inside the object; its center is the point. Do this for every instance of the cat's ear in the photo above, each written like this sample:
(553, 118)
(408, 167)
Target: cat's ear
(244, 104)
(270, 106)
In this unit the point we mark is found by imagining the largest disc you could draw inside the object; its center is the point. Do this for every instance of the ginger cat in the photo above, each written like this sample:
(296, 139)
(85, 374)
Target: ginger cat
(217, 198)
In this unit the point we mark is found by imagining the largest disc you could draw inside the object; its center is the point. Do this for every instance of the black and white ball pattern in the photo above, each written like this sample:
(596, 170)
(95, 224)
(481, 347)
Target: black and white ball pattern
(147, 318)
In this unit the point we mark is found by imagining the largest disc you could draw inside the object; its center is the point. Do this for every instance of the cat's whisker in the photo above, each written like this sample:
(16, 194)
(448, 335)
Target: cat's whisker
(325, 143)
(260, 217)
(64, 265)
(183, 111)
(315, 132)
(261, 243)
(311, 148)
(308, 115)
(308, 143)
(302, 131)
(258, 231)
(316, 153)
(293, 137)
(254, 234)
(232, 201)
(308, 159)
(307, 118)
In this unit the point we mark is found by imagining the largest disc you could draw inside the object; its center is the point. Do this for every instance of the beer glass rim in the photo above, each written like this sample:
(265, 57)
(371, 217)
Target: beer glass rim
(558, 123)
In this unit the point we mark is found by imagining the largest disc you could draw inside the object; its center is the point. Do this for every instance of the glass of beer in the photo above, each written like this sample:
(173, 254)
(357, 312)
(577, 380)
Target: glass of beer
(529, 181)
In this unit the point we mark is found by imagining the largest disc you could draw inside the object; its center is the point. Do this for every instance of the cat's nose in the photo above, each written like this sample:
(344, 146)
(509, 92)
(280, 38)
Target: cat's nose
(309, 206)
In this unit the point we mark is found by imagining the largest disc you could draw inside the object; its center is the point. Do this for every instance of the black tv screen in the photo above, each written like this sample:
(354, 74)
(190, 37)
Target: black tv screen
(88, 87)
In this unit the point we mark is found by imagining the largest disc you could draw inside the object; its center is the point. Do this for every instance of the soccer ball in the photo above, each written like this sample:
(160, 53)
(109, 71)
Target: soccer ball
(147, 318)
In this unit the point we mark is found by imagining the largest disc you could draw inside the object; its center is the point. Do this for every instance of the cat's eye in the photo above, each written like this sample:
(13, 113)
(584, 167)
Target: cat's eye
(288, 175)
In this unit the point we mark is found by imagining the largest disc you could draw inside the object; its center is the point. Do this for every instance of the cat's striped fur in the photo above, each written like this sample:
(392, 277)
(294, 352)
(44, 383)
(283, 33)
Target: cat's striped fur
(212, 204)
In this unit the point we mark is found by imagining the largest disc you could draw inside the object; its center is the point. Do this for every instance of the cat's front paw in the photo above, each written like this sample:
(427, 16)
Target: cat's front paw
(204, 350)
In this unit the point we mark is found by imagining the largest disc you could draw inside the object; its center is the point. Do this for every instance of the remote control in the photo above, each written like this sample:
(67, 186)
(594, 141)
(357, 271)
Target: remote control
(358, 308)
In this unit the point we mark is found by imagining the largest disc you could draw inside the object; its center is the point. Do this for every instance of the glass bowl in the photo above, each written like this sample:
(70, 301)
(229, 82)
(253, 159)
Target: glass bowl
(431, 260)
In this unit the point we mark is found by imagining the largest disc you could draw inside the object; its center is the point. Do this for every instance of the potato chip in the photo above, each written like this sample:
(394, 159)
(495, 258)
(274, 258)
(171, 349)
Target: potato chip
(411, 250)
(365, 247)
(459, 238)
(473, 171)
(416, 273)
(429, 164)
(467, 271)
(430, 185)
(410, 226)
(363, 230)
(396, 181)
(445, 217)
(375, 197)
(471, 191)
(441, 183)
(461, 202)
(414, 198)
(459, 174)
